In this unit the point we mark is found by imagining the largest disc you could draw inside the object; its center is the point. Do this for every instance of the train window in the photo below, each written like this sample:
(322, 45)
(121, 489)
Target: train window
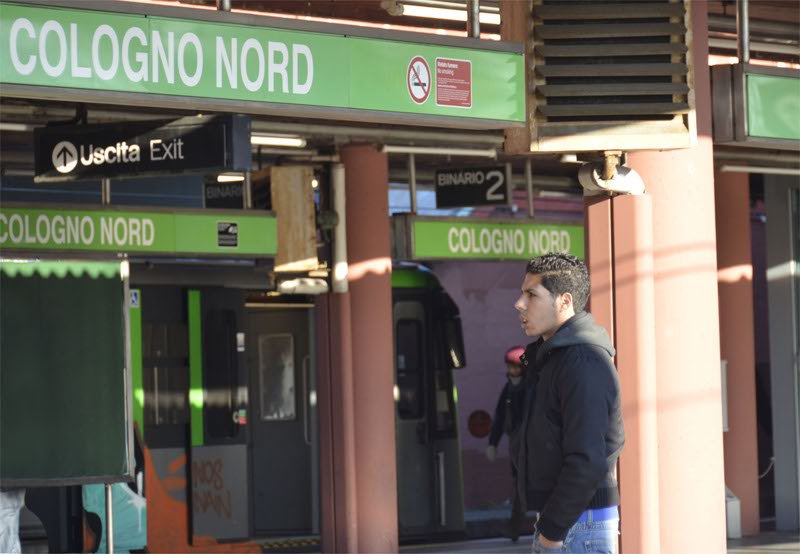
(453, 343)
(408, 338)
(276, 377)
(445, 407)
(450, 327)
(165, 374)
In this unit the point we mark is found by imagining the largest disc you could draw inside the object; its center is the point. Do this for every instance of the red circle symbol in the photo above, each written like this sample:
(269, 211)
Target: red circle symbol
(479, 424)
(418, 79)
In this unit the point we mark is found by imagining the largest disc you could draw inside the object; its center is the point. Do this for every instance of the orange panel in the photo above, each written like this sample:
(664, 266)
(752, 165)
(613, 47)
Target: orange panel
(168, 519)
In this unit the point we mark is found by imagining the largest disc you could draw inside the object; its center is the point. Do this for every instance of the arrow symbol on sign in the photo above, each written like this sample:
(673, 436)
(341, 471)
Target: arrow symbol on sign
(64, 154)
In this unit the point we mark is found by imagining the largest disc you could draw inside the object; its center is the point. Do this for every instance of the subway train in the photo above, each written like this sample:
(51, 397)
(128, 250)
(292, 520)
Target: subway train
(227, 426)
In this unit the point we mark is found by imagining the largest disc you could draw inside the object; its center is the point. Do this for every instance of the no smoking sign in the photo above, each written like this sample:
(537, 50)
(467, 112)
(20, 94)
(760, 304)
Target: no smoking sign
(418, 79)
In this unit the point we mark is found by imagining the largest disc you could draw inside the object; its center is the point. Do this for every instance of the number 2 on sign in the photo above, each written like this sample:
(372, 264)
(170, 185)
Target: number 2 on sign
(492, 193)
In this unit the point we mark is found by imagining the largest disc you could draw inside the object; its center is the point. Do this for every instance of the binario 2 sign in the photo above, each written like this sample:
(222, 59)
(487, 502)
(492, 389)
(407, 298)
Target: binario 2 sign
(457, 187)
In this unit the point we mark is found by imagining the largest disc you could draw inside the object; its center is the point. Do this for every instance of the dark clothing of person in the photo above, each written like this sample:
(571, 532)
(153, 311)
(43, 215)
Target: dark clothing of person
(507, 419)
(571, 433)
(508, 413)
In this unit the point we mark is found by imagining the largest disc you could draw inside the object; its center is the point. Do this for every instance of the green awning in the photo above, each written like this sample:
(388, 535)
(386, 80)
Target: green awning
(60, 269)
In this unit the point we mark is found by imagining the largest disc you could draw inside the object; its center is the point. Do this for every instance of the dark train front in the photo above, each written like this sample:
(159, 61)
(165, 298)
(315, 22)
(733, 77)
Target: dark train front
(227, 428)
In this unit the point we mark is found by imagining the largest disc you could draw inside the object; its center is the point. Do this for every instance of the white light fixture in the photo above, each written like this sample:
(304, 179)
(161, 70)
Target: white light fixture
(17, 127)
(444, 13)
(314, 183)
(230, 178)
(756, 169)
(277, 140)
(440, 151)
(303, 285)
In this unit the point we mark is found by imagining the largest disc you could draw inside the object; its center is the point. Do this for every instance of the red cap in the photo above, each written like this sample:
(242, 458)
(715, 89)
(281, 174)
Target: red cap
(513, 354)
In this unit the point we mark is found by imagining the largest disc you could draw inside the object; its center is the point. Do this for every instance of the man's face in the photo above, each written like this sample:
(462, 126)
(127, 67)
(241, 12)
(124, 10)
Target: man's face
(540, 314)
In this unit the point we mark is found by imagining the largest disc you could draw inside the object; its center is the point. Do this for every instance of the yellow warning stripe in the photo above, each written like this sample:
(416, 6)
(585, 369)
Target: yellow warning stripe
(291, 543)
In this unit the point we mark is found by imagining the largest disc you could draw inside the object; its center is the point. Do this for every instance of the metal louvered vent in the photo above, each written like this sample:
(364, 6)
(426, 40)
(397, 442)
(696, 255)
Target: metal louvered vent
(610, 75)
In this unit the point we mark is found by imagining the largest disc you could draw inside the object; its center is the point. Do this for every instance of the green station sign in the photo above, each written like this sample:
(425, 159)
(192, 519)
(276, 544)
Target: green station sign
(756, 106)
(773, 106)
(206, 59)
(219, 233)
(437, 239)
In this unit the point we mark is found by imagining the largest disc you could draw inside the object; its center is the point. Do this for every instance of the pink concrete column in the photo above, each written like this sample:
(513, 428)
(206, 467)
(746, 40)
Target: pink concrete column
(620, 258)
(636, 362)
(599, 251)
(690, 462)
(338, 493)
(735, 276)
(325, 409)
(368, 248)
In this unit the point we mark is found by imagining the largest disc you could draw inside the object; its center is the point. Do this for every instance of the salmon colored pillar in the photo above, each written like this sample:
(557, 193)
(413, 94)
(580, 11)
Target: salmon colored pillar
(690, 454)
(620, 259)
(634, 295)
(369, 276)
(338, 495)
(599, 253)
(737, 342)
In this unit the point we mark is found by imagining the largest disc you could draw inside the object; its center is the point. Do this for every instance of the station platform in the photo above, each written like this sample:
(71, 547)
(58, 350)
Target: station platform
(496, 544)
(765, 543)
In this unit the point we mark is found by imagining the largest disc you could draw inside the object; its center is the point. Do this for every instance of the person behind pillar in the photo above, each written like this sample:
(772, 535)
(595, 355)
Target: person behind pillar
(571, 432)
(11, 502)
(507, 417)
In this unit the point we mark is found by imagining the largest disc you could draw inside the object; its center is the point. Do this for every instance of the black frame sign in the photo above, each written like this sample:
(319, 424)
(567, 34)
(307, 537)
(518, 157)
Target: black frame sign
(186, 145)
(755, 106)
(472, 186)
(223, 195)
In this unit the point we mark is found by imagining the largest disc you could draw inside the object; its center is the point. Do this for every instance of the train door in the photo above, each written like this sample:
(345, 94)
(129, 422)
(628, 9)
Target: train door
(428, 347)
(163, 386)
(415, 458)
(279, 359)
(218, 470)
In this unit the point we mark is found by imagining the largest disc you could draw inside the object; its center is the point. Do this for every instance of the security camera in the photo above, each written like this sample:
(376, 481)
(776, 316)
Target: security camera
(624, 181)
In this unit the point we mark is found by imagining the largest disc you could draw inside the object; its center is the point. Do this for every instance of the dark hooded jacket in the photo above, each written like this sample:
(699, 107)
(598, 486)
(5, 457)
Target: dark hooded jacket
(572, 430)
(507, 413)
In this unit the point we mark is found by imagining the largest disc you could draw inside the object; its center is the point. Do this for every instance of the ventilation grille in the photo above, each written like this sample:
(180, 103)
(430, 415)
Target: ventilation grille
(610, 75)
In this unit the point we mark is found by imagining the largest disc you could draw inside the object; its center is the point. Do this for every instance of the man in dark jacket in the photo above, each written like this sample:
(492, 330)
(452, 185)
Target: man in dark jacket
(571, 433)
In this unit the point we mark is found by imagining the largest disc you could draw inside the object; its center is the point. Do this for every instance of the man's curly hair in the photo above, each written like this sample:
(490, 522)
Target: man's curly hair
(562, 273)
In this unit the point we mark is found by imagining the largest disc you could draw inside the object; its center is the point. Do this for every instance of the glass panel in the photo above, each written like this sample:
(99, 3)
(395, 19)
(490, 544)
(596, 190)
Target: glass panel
(409, 368)
(445, 422)
(220, 373)
(796, 233)
(276, 377)
(796, 259)
(165, 374)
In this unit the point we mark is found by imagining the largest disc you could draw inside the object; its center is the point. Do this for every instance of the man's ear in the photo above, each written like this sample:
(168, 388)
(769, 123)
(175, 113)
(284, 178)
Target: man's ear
(566, 301)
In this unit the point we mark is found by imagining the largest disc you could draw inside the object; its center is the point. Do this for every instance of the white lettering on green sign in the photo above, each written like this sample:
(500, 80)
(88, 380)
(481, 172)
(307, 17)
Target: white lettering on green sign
(121, 231)
(143, 58)
(75, 230)
(502, 242)
(108, 51)
(474, 240)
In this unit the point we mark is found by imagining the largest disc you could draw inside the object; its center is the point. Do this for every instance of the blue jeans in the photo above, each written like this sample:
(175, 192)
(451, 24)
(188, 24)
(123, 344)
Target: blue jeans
(588, 535)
